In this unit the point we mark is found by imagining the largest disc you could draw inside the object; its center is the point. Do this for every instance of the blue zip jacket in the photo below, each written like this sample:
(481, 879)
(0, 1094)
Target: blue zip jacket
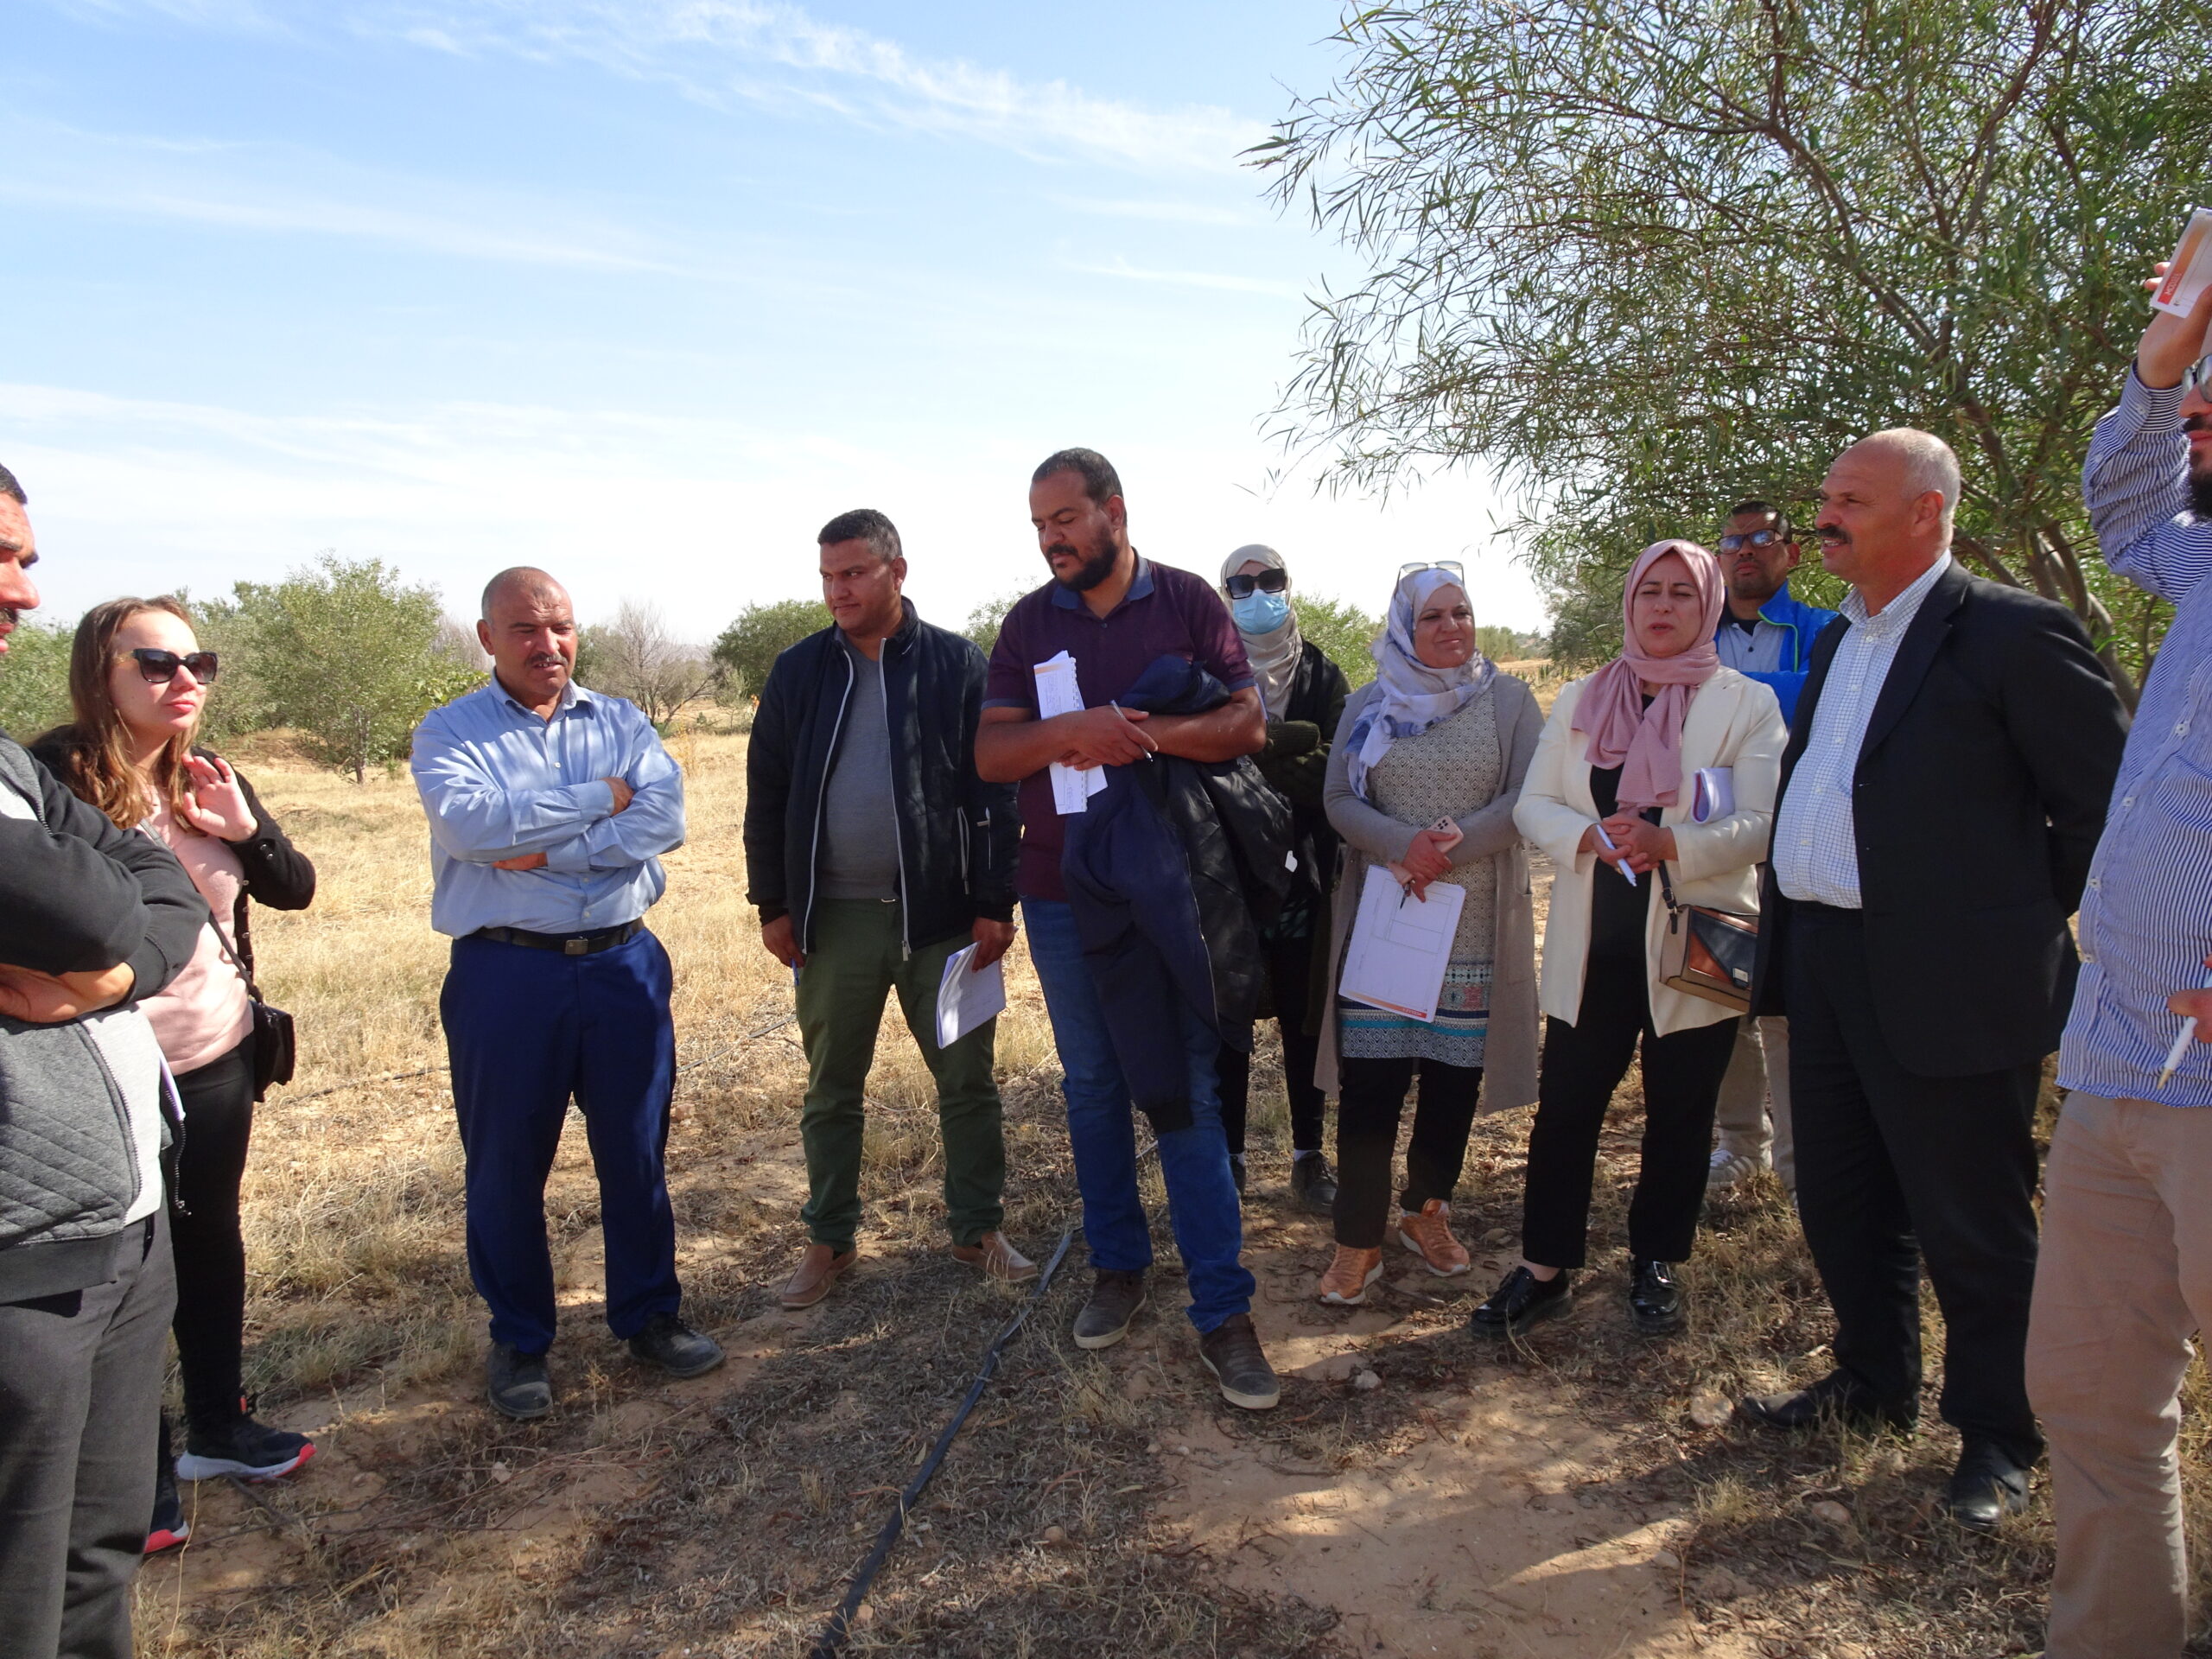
(1804, 624)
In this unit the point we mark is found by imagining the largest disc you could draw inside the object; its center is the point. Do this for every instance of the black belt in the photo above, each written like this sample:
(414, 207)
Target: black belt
(1825, 913)
(568, 944)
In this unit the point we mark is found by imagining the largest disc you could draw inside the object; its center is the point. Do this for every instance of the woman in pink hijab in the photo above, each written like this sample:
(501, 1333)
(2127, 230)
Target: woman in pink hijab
(1611, 795)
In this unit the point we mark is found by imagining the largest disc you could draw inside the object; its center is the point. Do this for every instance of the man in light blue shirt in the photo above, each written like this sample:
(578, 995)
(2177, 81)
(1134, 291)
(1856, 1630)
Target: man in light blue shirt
(549, 806)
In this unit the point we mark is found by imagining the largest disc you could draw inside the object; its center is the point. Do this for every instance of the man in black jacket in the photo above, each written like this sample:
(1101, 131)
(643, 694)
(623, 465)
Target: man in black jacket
(874, 853)
(1941, 796)
(91, 918)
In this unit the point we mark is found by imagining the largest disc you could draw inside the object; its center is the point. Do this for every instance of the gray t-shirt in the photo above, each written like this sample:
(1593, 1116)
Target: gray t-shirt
(860, 836)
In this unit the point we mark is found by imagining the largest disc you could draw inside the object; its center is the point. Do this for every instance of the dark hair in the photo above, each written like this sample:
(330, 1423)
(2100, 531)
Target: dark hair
(1781, 519)
(1100, 480)
(10, 487)
(864, 525)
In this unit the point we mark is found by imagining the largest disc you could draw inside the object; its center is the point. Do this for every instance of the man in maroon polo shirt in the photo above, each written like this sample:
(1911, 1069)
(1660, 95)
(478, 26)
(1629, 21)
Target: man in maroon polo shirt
(1114, 613)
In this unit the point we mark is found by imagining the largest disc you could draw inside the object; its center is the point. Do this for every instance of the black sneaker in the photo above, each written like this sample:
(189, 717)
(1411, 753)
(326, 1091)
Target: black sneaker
(675, 1347)
(1521, 1301)
(1655, 1301)
(1313, 1184)
(516, 1383)
(1231, 1351)
(247, 1448)
(1115, 1299)
(169, 1527)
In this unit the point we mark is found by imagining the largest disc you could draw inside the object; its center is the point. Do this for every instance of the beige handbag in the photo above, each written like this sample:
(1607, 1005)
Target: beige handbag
(1708, 952)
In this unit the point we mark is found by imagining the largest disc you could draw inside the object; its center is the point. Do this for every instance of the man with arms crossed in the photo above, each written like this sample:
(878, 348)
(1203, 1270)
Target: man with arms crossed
(91, 918)
(1114, 613)
(1767, 634)
(549, 808)
(1946, 775)
(874, 853)
(2126, 1277)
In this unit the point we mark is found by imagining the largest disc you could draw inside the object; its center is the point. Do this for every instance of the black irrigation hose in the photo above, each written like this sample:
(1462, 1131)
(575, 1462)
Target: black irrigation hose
(839, 1630)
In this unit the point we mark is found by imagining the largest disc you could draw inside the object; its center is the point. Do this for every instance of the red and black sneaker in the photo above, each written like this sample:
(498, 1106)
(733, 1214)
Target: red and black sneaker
(245, 1447)
(169, 1527)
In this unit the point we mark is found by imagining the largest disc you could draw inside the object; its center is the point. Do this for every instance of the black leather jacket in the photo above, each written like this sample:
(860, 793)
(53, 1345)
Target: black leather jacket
(957, 835)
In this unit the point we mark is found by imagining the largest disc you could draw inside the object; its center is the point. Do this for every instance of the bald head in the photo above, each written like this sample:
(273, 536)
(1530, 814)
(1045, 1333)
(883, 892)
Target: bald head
(1885, 511)
(528, 630)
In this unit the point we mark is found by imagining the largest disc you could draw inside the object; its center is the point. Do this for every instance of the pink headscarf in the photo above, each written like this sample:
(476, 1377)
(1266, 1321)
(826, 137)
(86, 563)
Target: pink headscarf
(1647, 743)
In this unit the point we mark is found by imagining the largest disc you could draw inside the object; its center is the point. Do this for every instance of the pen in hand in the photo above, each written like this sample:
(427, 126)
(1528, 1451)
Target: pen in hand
(2186, 1036)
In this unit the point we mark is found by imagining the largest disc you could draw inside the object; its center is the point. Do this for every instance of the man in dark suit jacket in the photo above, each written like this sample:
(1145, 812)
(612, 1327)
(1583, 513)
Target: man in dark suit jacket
(1942, 797)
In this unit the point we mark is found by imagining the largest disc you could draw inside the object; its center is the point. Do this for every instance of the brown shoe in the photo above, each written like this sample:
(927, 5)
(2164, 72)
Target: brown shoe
(1231, 1351)
(993, 1255)
(1349, 1275)
(817, 1270)
(1427, 1233)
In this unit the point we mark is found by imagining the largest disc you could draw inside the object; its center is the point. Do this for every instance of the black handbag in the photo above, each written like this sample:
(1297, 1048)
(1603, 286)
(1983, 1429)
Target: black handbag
(1708, 952)
(276, 1043)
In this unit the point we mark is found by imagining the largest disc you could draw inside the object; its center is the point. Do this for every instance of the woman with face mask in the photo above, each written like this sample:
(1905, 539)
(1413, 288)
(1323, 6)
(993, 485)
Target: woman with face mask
(1611, 796)
(138, 686)
(1441, 734)
(1304, 695)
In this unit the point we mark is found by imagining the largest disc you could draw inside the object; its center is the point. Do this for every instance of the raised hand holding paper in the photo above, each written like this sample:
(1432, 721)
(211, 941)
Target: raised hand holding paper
(2190, 268)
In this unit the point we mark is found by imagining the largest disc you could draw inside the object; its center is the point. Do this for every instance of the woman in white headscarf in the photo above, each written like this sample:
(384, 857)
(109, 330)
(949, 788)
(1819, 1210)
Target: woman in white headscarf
(1441, 734)
(1304, 694)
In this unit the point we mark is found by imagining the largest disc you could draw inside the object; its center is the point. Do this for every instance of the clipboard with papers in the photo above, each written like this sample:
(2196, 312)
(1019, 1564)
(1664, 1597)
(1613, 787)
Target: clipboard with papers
(1401, 945)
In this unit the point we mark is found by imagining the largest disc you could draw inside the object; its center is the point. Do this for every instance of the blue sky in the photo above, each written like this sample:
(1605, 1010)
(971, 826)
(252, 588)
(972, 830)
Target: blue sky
(645, 290)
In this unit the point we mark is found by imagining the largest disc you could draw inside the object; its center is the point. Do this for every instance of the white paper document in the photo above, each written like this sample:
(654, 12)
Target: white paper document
(1056, 694)
(1714, 796)
(964, 1000)
(2189, 269)
(1401, 945)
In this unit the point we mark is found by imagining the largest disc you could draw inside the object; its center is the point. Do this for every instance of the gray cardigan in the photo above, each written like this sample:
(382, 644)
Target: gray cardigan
(1488, 835)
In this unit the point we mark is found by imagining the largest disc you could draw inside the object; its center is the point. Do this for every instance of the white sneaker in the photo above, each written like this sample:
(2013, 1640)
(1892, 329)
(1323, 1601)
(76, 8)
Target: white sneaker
(1729, 1168)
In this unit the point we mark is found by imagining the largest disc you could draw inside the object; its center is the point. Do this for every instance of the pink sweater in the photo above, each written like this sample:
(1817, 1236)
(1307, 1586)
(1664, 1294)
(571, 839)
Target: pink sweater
(202, 1014)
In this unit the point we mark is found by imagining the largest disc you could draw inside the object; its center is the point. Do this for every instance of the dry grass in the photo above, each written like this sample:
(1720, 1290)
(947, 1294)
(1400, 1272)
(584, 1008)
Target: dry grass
(653, 1520)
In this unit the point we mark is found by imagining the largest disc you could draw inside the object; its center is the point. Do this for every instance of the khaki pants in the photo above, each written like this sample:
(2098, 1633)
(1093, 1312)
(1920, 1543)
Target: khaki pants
(1759, 1070)
(2124, 1281)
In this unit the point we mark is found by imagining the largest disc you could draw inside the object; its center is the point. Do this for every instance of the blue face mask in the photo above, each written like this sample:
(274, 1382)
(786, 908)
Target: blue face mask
(1261, 612)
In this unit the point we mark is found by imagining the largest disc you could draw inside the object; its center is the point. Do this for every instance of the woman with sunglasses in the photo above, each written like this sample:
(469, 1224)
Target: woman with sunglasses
(138, 686)
(1304, 695)
(1439, 735)
(1610, 798)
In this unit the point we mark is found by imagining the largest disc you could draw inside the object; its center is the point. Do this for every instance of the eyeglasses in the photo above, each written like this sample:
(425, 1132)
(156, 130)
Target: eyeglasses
(1240, 586)
(160, 667)
(1451, 568)
(2197, 378)
(1756, 538)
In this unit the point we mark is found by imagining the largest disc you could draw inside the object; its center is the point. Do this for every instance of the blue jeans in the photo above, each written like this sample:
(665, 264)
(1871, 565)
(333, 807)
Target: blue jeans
(1102, 1129)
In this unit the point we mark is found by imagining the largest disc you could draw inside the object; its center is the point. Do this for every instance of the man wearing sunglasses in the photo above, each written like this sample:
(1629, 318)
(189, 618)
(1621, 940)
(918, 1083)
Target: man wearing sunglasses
(2125, 1278)
(1767, 634)
(92, 919)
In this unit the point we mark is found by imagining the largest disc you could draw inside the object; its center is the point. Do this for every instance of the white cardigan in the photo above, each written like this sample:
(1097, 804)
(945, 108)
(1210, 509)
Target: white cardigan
(1733, 721)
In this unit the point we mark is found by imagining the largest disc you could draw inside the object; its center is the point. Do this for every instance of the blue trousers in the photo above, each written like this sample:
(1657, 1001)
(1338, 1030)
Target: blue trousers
(527, 1030)
(1101, 1131)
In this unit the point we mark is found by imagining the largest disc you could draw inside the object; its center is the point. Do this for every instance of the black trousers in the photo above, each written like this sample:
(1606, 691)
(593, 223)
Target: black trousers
(1893, 1169)
(210, 1322)
(80, 1392)
(1584, 1062)
(1290, 967)
(1368, 1103)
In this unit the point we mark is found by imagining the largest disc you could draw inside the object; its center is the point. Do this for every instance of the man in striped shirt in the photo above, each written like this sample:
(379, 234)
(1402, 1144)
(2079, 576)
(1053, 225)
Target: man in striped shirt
(2126, 1274)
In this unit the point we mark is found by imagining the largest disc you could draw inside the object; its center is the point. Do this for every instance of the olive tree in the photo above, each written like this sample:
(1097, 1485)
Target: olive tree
(748, 647)
(1645, 258)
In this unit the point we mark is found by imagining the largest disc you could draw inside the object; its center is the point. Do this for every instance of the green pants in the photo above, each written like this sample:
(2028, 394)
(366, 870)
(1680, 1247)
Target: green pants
(854, 960)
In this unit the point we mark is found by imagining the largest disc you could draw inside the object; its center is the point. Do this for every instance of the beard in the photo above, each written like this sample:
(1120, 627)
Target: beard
(2200, 492)
(1097, 564)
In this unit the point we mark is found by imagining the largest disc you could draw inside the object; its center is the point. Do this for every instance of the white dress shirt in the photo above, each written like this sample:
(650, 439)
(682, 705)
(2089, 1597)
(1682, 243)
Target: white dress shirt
(1815, 832)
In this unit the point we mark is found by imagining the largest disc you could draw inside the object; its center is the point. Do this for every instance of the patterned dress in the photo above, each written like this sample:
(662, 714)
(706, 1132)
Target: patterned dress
(1452, 769)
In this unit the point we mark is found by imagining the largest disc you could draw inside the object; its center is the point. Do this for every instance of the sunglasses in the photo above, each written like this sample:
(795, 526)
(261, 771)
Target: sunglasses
(1756, 538)
(1450, 567)
(160, 667)
(1267, 582)
(2197, 378)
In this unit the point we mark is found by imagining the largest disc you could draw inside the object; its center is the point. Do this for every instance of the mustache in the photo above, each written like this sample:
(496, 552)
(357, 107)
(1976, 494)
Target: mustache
(1831, 535)
(1059, 549)
(2198, 423)
(544, 659)
(10, 616)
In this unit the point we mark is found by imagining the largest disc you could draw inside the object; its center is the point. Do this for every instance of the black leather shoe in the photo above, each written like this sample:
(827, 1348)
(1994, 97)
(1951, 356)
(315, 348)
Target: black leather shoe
(516, 1383)
(1655, 1301)
(1520, 1300)
(1313, 1184)
(675, 1347)
(1985, 1487)
(1836, 1396)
